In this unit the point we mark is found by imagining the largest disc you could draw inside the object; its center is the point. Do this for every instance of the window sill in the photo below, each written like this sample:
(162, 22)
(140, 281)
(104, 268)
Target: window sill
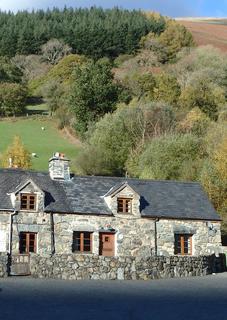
(82, 252)
(124, 212)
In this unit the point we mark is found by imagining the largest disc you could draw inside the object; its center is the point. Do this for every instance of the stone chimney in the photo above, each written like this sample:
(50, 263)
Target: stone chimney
(59, 167)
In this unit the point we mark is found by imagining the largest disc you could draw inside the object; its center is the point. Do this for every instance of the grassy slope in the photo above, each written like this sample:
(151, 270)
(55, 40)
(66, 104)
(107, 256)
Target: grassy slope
(43, 143)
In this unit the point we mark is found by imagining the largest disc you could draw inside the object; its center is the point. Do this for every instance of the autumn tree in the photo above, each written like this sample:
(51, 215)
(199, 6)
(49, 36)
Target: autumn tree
(205, 95)
(175, 37)
(195, 122)
(16, 156)
(151, 43)
(167, 89)
(54, 50)
(31, 66)
(201, 62)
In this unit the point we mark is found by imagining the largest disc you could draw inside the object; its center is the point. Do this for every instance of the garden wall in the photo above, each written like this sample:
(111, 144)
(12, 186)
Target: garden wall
(77, 267)
(3, 265)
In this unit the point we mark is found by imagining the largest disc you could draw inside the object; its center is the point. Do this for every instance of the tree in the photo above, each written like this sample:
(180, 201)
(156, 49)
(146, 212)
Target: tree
(93, 93)
(117, 135)
(151, 42)
(54, 50)
(54, 94)
(216, 188)
(195, 122)
(31, 67)
(220, 158)
(109, 144)
(62, 72)
(16, 156)
(12, 99)
(167, 89)
(205, 95)
(214, 171)
(94, 32)
(202, 62)
(167, 157)
(9, 72)
(175, 37)
(139, 85)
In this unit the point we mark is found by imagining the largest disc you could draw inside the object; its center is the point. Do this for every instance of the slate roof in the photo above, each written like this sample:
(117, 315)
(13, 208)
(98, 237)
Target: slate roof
(84, 195)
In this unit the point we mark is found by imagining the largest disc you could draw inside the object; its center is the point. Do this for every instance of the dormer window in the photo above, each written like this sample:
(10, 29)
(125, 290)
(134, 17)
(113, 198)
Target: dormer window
(28, 201)
(124, 205)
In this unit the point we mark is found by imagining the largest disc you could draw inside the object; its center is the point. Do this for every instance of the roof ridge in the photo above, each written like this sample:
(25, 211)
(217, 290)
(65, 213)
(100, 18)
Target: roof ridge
(17, 170)
(127, 179)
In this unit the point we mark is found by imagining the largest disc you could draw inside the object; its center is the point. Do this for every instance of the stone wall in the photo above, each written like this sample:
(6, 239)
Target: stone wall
(136, 236)
(133, 236)
(38, 222)
(206, 236)
(3, 265)
(77, 267)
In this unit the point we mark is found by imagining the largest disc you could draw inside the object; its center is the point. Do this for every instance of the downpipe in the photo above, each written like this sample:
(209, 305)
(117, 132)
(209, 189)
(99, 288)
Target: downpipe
(10, 240)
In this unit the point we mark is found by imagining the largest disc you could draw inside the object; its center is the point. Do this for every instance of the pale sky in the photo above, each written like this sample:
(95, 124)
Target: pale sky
(174, 8)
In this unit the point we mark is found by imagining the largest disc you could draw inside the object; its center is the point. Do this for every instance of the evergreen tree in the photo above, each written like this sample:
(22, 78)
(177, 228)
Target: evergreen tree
(93, 32)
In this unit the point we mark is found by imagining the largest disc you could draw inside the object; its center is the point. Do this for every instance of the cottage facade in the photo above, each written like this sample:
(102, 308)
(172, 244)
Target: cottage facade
(55, 213)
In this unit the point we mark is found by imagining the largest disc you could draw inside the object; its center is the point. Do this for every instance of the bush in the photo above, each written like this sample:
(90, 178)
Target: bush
(12, 99)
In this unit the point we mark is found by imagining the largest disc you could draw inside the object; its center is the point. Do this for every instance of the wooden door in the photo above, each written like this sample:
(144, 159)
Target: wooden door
(106, 244)
(20, 265)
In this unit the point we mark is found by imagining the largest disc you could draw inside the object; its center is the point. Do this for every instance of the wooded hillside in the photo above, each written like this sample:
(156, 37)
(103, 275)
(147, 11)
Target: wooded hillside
(144, 100)
(94, 32)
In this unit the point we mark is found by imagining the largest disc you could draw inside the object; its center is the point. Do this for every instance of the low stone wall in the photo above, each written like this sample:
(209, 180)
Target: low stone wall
(3, 265)
(77, 267)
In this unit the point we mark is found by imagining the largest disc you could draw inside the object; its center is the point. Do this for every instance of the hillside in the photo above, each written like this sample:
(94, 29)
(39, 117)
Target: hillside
(42, 142)
(144, 100)
(208, 31)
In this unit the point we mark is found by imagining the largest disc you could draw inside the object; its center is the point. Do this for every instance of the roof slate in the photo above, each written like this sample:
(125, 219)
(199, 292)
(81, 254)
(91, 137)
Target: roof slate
(84, 195)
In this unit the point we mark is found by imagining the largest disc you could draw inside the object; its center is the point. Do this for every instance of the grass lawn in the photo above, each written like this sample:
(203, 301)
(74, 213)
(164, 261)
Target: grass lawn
(42, 142)
(37, 109)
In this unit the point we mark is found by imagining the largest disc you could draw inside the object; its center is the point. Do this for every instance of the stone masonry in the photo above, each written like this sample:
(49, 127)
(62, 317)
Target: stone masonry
(77, 267)
(206, 237)
(3, 265)
(133, 236)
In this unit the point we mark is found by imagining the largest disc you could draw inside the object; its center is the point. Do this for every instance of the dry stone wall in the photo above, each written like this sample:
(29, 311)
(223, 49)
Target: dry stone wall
(77, 267)
(3, 265)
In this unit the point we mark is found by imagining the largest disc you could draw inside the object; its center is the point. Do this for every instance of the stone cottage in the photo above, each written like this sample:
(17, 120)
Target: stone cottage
(57, 213)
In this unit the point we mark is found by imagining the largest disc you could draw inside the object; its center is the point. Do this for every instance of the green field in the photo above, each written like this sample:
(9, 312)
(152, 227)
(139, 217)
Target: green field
(42, 142)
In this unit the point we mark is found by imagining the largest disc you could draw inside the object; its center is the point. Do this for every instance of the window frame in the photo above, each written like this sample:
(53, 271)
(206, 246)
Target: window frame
(28, 241)
(181, 237)
(126, 205)
(28, 201)
(81, 242)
